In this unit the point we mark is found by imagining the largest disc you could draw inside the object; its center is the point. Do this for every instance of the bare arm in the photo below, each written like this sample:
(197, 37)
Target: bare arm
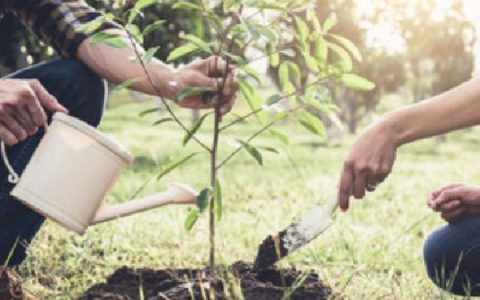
(454, 109)
(372, 155)
(115, 65)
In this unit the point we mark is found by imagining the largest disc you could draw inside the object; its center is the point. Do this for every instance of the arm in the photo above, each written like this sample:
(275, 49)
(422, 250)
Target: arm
(59, 23)
(372, 155)
(114, 65)
(454, 109)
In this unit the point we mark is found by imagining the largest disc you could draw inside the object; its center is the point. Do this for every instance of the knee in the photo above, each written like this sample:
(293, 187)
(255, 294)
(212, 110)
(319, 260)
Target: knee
(89, 89)
(444, 261)
(434, 256)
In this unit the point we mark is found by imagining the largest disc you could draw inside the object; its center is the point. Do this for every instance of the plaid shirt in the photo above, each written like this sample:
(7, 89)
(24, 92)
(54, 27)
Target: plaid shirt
(56, 22)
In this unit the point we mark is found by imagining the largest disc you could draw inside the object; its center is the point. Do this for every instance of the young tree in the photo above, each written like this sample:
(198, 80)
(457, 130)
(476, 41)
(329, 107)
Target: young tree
(242, 32)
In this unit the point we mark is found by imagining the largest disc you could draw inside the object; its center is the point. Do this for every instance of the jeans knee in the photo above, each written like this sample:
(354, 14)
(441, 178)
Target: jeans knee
(91, 90)
(434, 257)
(447, 263)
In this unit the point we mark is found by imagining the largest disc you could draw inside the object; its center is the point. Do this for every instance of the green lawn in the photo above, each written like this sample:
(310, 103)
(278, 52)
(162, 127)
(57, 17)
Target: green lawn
(373, 252)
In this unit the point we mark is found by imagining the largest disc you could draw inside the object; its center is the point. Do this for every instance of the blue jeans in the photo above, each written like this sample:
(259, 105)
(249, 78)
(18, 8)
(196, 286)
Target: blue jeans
(82, 92)
(452, 256)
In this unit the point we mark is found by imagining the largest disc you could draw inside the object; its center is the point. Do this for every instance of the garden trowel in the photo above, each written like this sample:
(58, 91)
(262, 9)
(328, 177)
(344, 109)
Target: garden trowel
(297, 234)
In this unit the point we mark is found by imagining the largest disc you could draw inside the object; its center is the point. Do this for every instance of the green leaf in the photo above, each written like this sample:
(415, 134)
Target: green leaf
(273, 99)
(283, 76)
(186, 6)
(191, 219)
(227, 4)
(148, 111)
(201, 44)
(126, 84)
(274, 59)
(269, 149)
(191, 91)
(269, 34)
(218, 201)
(280, 136)
(345, 59)
(182, 51)
(313, 124)
(252, 151)
(111, 39)
(252, 73)
(302, 28)
(237, 59)
(203, 199)
(312, 17)
(321, 49)
(356, 82)
(329, 23)
(191, 132)
(347, 44)
(174, 164)
(252, 98)
(311, 63)
(147, 56)
(272, 5)
(141, 4)
(95, 24)
(162, 120)
(135, 32)
(154, 26)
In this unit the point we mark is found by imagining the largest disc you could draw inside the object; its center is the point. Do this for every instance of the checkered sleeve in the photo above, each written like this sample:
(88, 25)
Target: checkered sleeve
(58, 22)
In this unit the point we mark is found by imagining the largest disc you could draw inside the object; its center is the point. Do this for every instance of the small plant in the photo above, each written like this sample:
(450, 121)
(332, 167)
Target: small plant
(242, 33)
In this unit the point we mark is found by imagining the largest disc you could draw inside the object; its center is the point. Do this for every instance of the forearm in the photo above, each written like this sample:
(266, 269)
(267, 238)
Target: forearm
(116, 66)
(454, 109)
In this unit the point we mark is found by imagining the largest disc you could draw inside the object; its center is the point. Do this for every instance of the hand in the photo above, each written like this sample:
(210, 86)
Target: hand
(208, 73)
(368, 163)
(455, 200)
(22, 103)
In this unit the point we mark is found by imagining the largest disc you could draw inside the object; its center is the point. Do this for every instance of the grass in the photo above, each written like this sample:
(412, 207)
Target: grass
(373, 252)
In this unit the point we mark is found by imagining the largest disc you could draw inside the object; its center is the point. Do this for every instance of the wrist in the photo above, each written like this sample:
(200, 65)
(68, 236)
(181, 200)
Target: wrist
(164, 78)
(396, 129)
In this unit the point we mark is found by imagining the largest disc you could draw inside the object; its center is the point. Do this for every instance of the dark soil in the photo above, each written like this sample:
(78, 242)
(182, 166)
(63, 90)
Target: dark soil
(178, 284)
(270, 251)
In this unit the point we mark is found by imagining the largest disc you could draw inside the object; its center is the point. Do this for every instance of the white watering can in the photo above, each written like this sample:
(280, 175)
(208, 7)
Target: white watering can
(73, 169)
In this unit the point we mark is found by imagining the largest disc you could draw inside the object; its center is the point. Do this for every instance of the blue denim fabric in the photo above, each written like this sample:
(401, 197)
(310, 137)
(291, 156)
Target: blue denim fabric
(452, 256)
(82, 92)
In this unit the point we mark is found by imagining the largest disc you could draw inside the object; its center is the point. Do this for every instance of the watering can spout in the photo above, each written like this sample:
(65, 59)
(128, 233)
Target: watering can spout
(176, 194)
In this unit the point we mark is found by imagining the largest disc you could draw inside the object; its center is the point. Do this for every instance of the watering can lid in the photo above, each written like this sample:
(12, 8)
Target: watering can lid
(106, 141)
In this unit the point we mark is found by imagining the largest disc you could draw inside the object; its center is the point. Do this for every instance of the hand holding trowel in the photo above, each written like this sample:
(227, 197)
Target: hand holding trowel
(297, 234)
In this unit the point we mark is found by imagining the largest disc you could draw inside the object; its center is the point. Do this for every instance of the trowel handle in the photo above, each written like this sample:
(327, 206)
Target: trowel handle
(331, 205)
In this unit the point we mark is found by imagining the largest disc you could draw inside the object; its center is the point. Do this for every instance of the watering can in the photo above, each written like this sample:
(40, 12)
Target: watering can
(73, 169)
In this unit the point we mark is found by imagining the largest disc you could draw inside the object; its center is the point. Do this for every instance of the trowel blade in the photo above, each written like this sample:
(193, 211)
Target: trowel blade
(296, 235)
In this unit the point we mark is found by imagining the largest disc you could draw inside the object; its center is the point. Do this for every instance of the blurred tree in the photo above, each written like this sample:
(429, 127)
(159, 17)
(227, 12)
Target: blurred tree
(439, 43)
(384, 69)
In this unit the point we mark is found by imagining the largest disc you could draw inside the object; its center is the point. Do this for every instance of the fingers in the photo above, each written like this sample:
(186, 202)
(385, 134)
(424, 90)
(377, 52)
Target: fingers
(7, 136)
(37, 114)
(8, 121)
(359, 183)
(216, 66)
(437, 192)
(345, 186)
(230, 92)
(25, 121)
(449, 206)
(447, 196)
(454, 215)
(46, 99)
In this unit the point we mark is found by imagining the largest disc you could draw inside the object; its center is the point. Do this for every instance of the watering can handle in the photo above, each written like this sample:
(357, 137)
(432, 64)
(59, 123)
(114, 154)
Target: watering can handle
(13, 175)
